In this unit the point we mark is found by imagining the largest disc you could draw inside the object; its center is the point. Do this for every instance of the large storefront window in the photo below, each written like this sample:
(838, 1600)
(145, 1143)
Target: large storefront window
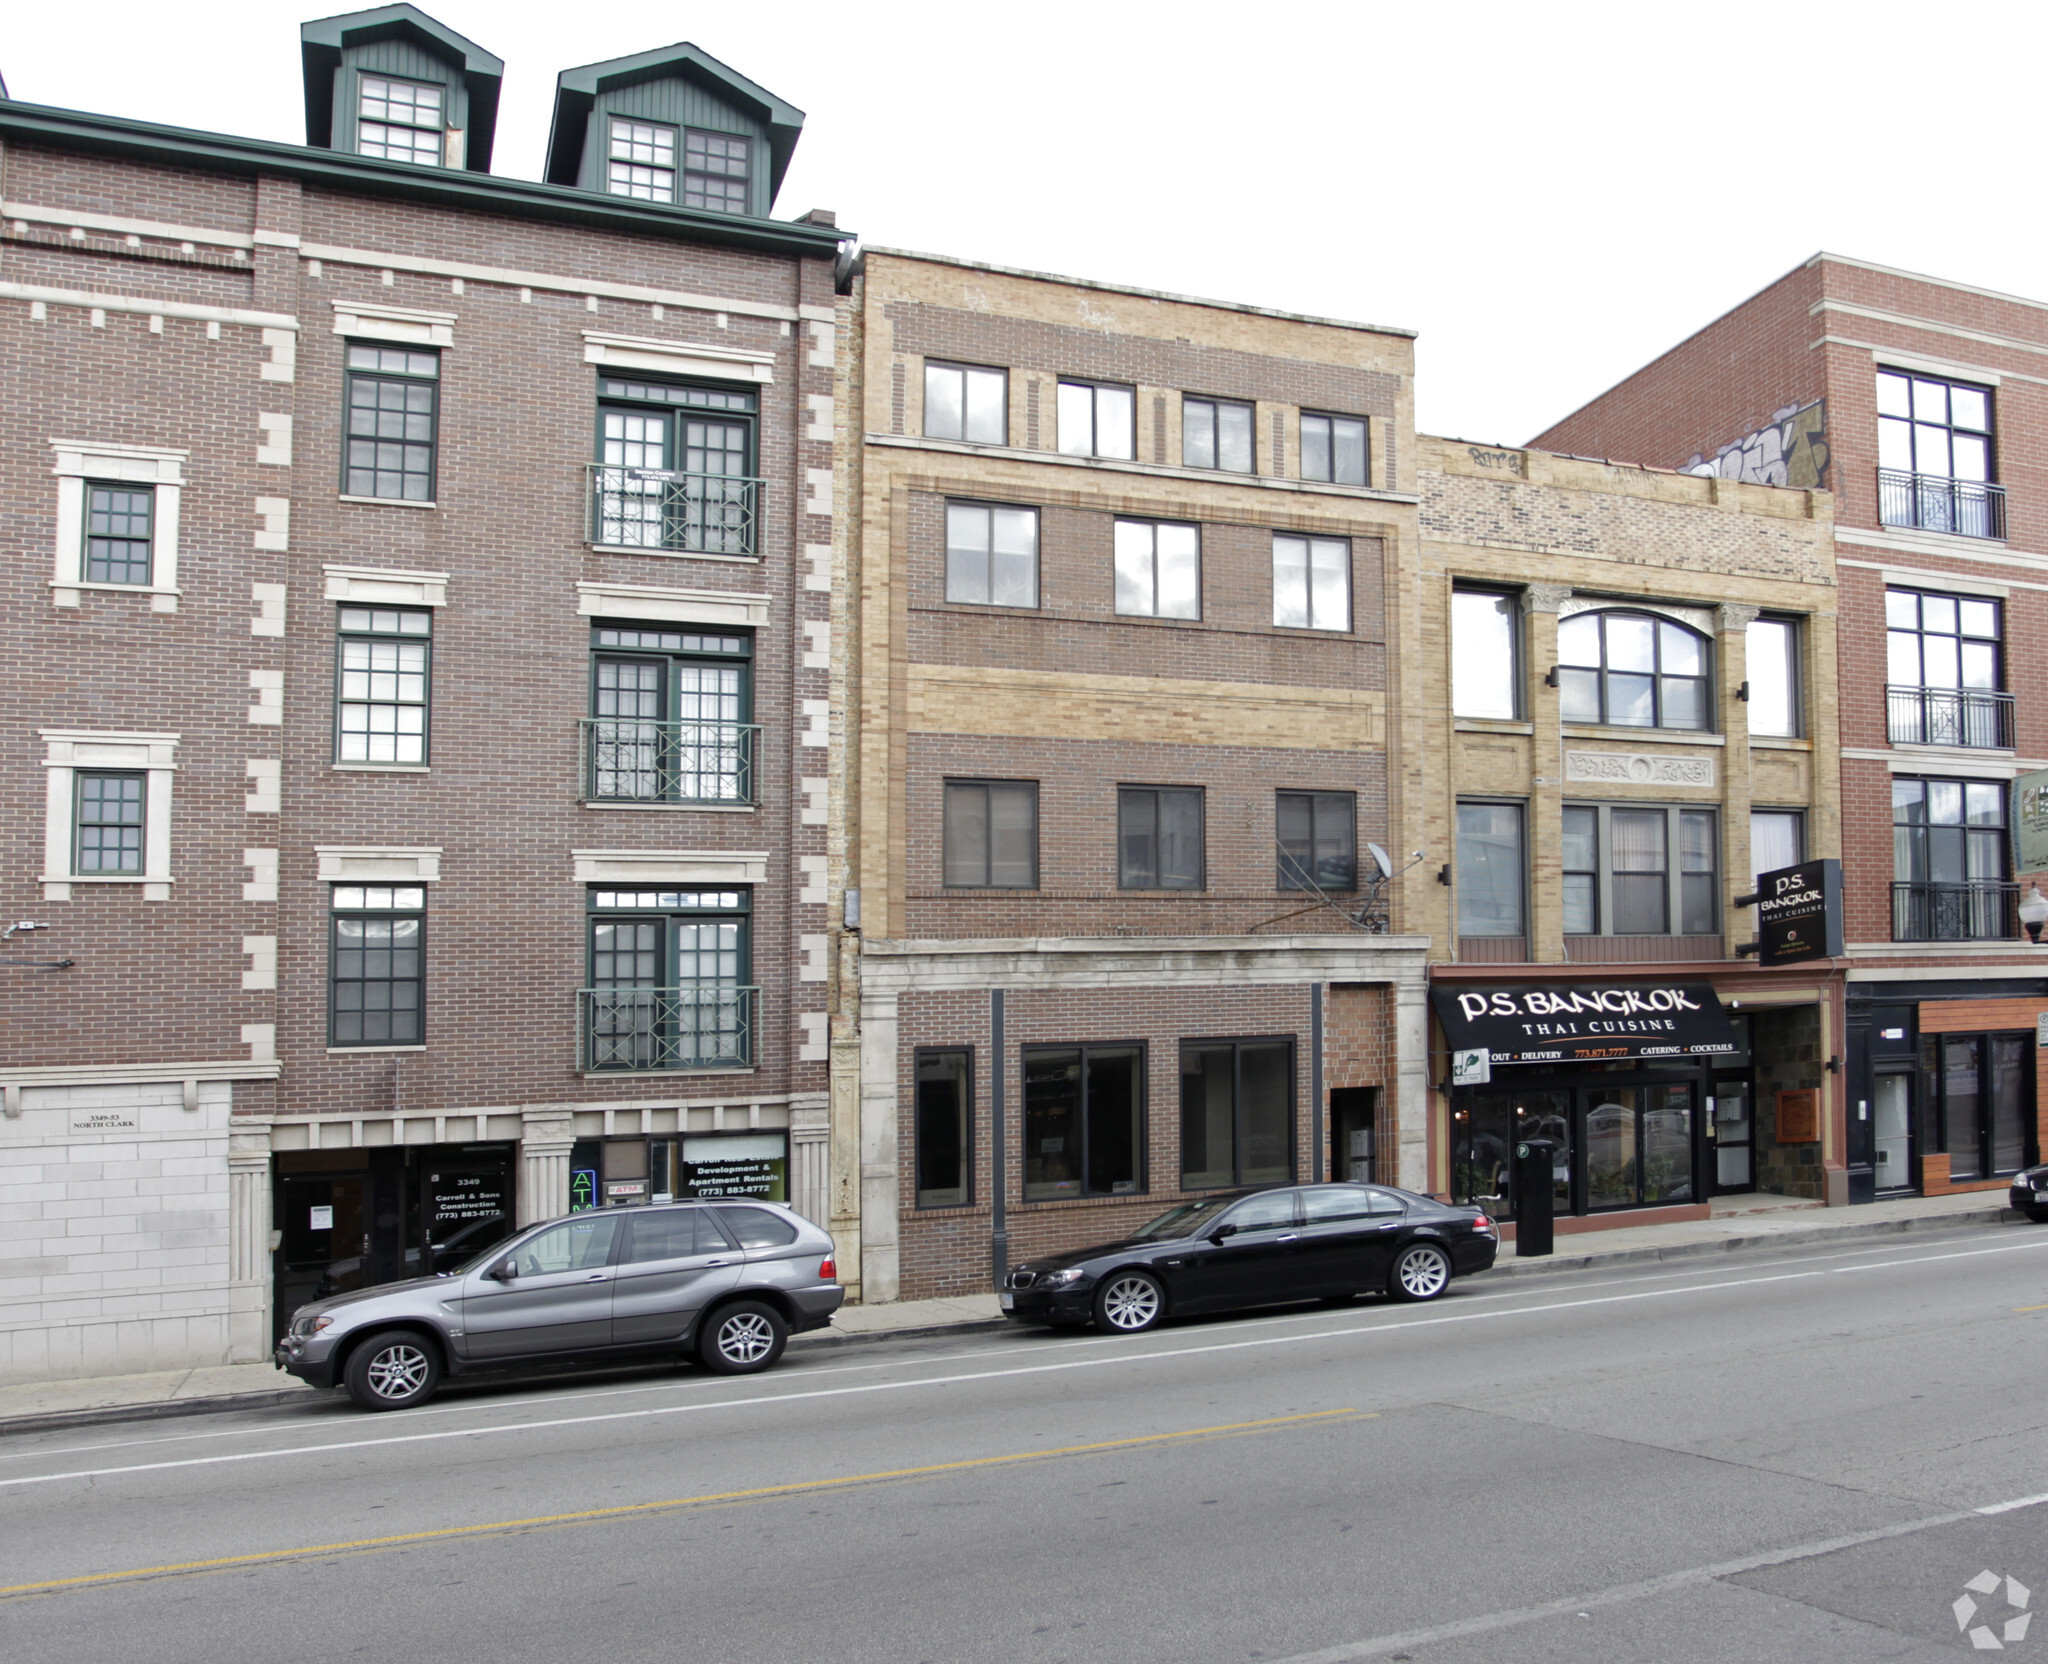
(1976, 1101)
(1621, 1143)
(626, 1172)
(1084, 1121)
(1236, 1112)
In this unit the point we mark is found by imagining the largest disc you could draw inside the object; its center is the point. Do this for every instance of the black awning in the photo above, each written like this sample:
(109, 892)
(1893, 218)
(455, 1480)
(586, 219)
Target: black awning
(1584, 1022)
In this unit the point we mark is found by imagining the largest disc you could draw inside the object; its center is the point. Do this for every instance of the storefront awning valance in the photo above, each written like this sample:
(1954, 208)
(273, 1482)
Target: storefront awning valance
(1583, 1022)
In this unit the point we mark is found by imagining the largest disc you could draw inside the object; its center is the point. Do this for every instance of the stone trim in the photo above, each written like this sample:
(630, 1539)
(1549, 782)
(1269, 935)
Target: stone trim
(386, 586)
(678, 358)
(727, 609)
(394, 323)
(358, 864)
(81, 459)
(69, 750)
(630, 867)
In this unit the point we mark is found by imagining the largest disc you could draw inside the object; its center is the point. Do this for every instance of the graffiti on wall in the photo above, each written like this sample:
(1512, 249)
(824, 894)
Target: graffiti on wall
(1791, 449)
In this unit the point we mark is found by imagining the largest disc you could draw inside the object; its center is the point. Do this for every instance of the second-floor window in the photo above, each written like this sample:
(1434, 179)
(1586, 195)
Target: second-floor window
(991, 834)
(400, 120)
(1312, 583)
(1491, 869)
(1333, 448)
(1770, 660)
(1943, 666)
(1158, 569)
(1318, 838)
(991, 555)
(1159, 837)
(670, 717)
(1777, 839)
(381, 685)
(1949, 861)
(120, 529)
(1216, 433)
(1486, 654)
(376, 965)
(641, 160)
(668, 980)
(1640, 870)
(109, 826)
(393, 410)
(674, 468)
(1934, 456)
(1633, 670)
(1098, 418)
(965, 401)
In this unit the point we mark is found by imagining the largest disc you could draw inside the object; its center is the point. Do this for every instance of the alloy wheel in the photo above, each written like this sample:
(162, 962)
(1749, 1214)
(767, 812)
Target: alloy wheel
(1131, 1303)
(745, 1338)
(398, 1371)
(1423, 1272)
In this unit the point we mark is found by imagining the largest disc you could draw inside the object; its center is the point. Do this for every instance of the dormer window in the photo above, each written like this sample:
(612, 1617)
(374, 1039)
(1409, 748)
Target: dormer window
(400, 120)
(715, 169)
(642, 160)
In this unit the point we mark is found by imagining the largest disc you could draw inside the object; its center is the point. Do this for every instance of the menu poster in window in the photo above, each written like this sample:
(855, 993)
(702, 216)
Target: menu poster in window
(751, 1165)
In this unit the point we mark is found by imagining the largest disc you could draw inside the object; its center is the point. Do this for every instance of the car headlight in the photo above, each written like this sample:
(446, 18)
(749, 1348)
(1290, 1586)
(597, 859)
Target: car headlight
(1060, 1279)
(312, 1325)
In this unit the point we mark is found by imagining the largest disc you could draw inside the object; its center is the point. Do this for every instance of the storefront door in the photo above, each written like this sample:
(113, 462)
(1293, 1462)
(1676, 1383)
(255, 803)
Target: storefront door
(1891, 1116)
(1623, 1141)
(1638, 1145)
(1733, 1134)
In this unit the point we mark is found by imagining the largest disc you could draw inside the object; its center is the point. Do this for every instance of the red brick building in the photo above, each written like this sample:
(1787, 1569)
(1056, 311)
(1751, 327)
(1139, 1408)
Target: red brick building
(1919, 403)
(414, 760)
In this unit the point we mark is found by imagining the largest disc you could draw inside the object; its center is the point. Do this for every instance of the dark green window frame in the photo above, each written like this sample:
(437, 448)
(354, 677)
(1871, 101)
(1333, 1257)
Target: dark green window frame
(391, 106)
(110, 823)
(643, 744)
(120, 532)
(383, 683)
(640, 158)
(641, 1010)
(718, 171)
(376, 965)
(391, 422)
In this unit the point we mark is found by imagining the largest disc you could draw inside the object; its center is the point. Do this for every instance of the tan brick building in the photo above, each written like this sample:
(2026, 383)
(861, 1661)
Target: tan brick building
(1123, 571)
(1625, 709)
(416, 746)
(1917, 401)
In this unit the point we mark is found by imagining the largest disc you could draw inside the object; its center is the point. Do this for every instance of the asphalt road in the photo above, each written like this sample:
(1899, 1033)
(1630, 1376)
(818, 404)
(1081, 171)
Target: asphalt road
(1767, 1456)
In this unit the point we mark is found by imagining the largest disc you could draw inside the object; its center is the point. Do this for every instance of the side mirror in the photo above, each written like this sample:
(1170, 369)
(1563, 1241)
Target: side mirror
(1222, 1233)
(503, 1272)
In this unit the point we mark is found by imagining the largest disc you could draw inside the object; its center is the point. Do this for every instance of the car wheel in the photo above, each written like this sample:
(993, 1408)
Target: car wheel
(1421, 1271)
(393, 1371)
(1130, 1303)
(742, 1339)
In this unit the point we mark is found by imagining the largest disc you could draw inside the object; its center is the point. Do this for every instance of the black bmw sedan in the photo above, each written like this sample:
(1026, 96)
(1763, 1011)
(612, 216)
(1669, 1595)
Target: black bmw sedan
(1324, 1242)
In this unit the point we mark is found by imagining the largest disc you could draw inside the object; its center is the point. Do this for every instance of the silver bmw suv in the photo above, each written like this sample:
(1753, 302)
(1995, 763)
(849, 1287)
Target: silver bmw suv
(729, 1282)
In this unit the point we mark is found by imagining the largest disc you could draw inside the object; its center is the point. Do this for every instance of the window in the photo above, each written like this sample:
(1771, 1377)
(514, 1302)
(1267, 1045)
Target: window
(1312, 583)
(110, 822)
(1490, 870)
(1770, 654)
(1215, 433)
(991, 555)
(1333, 449)
(1318, 836)
(716, 167)
(1948, 862)
(118, 532)
(1158, 570)
(668, 980)
(670, 716)
(642, 160)
(381, 686)
(1098, 419)
(1628, 669)
(573, 1245)
(1084, 1121)
(1934, 456)
(399, 120)
(1977, 1102)
(392, 397)
(944, 1127)
(673, 468)
(962, 401)
(991, 834)
(1159, 838)
(1236, 1112)
(1777, 839)
(1634, 870)
(1486, 654)
(376, 969)
(1944, 670)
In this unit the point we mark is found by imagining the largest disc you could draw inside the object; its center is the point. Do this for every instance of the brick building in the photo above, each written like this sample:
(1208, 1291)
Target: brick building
(1918, 403)
(1123, 584)
(415, 757)
(1625, 710)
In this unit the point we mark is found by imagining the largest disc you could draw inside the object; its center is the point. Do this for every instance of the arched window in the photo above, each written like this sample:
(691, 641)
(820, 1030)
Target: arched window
(1631, 670)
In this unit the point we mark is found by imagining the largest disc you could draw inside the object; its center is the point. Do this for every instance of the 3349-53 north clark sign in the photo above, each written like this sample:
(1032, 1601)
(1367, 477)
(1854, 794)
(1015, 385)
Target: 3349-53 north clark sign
(1582, 1022)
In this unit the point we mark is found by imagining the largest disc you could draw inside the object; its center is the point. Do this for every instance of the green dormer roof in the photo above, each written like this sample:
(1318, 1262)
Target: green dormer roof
(579, 91)
(325, 43)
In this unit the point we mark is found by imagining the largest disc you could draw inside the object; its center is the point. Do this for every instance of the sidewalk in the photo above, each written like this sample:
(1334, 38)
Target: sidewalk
(1738, 1222)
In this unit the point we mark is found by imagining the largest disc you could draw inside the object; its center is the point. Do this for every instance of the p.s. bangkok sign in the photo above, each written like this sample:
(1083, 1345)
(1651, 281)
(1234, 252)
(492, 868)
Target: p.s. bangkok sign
(1564, 1023)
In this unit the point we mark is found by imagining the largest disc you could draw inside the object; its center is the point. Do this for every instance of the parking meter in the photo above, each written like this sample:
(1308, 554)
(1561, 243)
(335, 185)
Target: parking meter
(1535, 1195)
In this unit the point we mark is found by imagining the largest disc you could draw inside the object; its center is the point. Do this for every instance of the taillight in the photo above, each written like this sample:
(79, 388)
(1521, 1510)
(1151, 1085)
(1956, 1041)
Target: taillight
(1482, 1223)
(827, 1271)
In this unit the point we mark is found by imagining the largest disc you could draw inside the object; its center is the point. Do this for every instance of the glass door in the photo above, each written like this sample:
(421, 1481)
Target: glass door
(634, 501)
(1891, 1110)
(1638, 1145)
(1734, 1135)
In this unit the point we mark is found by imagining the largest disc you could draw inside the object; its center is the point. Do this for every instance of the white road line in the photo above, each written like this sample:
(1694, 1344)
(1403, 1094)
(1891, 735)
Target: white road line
(1131, 1357)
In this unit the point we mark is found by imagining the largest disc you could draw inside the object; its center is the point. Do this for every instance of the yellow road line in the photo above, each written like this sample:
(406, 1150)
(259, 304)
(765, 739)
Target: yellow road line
(2030, 1308)
(588, 1514)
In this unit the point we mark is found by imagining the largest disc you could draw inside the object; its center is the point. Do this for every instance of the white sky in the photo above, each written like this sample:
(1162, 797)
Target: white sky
(1550, 195)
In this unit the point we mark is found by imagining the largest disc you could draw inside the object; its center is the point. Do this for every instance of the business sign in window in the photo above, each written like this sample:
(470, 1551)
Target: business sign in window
(750, 1165)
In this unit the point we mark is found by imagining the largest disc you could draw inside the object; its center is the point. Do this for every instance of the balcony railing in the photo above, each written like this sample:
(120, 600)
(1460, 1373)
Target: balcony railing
(665, 509)
(1949, 716)
(1980, 912)
(1935, 503)
(634, 760)
(705, 1026)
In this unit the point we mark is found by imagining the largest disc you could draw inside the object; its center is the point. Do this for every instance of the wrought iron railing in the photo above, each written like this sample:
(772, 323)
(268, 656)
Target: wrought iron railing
(1935, 503)
(663, 508)
(635, 760)
(1949, 716)
(699, 1026)
(1979, 912)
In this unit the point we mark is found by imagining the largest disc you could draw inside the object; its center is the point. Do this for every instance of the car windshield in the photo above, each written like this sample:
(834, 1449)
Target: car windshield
(1185, 1220)
(495, 1251)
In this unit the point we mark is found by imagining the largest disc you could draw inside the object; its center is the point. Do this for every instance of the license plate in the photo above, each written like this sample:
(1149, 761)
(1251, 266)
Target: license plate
(1007, 1301)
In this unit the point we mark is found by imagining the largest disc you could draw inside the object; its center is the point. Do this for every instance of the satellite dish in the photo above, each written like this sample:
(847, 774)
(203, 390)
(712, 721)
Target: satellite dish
(1381, 860)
